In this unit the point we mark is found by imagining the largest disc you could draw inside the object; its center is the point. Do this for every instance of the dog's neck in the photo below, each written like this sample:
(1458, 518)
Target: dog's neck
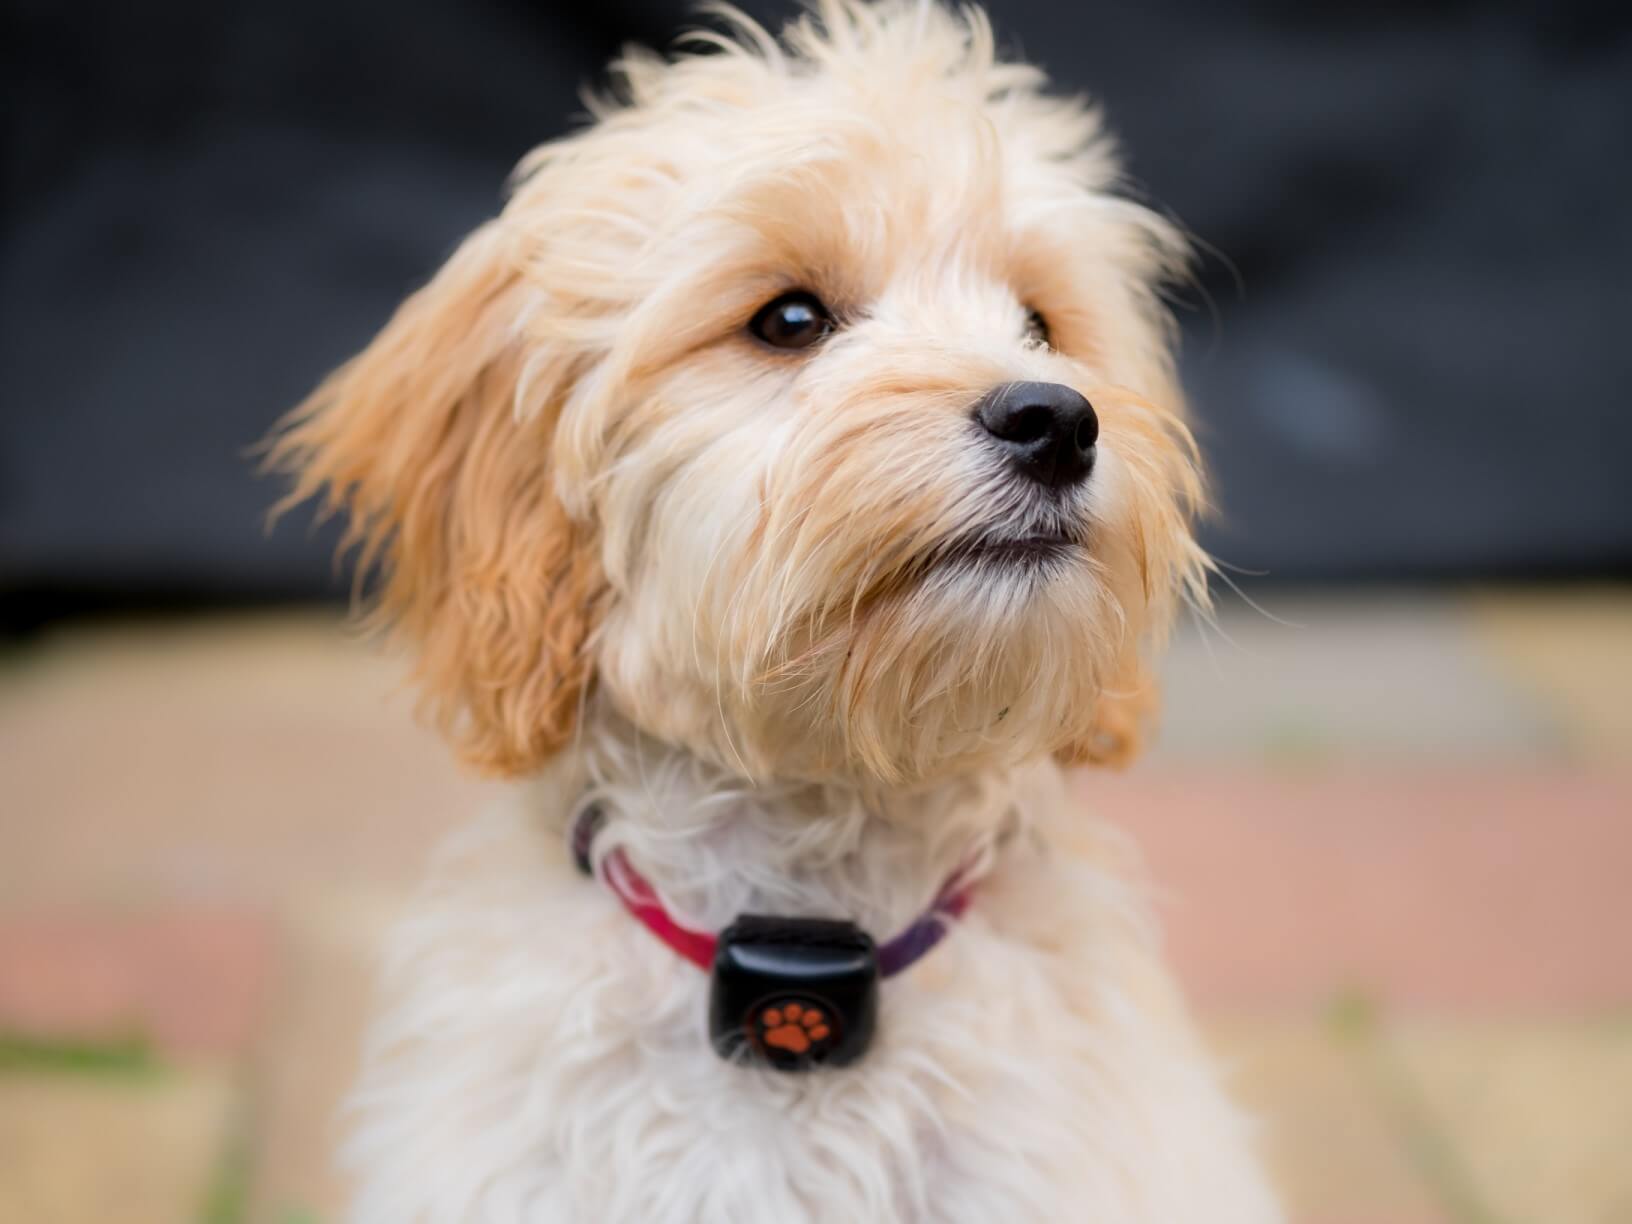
(715, 845)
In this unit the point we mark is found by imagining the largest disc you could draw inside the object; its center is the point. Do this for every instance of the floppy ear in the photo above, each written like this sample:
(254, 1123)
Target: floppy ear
(1124, 716)
(447, 482)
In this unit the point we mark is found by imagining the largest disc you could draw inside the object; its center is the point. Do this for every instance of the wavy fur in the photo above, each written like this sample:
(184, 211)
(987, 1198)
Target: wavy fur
(727, 592)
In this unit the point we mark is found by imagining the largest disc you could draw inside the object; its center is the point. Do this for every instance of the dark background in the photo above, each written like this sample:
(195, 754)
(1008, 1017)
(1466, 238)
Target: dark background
(1408, 354)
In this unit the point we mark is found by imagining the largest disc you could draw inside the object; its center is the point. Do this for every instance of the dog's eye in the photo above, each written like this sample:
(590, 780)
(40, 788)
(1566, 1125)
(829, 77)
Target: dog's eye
(1037, 328)
(793, 321)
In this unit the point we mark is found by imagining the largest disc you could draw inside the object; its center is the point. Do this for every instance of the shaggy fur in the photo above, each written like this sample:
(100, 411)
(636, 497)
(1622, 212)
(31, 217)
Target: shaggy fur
(643, 559)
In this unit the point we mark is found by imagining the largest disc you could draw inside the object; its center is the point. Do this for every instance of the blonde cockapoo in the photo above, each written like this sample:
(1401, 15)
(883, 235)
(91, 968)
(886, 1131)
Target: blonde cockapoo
(782, 489)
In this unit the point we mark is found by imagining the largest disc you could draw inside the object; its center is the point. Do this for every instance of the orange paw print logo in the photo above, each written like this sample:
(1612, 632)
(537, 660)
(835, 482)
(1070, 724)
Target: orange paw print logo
(793, 1027)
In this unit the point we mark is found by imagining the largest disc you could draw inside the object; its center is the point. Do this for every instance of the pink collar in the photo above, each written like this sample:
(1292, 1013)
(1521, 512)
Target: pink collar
(700, 947)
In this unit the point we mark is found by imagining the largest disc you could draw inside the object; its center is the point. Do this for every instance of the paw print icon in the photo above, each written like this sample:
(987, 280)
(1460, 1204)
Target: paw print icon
(793, 1028)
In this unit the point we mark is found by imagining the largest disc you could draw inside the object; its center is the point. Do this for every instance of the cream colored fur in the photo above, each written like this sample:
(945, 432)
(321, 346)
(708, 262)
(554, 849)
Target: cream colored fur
(644, 559)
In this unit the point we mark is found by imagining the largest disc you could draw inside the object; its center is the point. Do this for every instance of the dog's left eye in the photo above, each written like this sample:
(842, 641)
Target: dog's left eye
(1037, 328)
(793, 321)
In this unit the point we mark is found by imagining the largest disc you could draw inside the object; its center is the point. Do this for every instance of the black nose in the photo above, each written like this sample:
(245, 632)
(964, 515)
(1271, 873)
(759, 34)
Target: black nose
(1048, 430)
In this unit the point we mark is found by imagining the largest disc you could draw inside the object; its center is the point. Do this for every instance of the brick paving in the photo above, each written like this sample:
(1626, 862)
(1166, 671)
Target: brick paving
(1390, 835)
(127, 1147)
(87, 976)
(1479, 890)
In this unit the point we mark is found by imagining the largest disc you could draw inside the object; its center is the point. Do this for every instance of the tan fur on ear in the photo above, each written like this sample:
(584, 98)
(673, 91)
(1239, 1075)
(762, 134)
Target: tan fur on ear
(1123, 718)
(447, 485)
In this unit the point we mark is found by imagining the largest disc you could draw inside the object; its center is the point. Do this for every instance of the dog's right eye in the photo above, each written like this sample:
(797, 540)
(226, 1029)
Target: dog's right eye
(793, 321)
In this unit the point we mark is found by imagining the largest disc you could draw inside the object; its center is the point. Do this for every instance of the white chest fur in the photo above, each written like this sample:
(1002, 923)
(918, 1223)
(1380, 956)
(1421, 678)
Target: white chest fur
(541, 1057)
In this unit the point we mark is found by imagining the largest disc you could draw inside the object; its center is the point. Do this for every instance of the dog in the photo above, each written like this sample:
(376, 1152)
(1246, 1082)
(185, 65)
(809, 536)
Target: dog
(783, 490)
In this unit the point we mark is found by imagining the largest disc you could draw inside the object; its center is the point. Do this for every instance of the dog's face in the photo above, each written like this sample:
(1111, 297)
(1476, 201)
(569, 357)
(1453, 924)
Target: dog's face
(813, 408)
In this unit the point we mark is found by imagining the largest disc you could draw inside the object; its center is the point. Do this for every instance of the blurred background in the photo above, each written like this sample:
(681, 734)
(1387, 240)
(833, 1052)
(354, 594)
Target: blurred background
(1391, 812)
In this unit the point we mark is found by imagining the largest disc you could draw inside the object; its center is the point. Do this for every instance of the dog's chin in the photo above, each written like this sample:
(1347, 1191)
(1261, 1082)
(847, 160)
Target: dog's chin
(1002, 556)
(984, 661)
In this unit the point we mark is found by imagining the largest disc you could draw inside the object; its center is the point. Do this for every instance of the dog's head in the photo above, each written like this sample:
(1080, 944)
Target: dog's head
(813, 407)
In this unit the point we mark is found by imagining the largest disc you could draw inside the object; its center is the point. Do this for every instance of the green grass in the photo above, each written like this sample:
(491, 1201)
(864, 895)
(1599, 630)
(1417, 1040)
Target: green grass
(71, 1056)
(1295, 743)
(227, 1201)
(1356, 1019)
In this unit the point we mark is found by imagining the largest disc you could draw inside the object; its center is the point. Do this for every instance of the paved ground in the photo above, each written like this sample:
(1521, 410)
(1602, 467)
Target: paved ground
(1393, 834)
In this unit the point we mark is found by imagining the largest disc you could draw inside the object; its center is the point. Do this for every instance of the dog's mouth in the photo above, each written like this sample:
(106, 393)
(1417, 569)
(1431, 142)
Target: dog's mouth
(1036, 550)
